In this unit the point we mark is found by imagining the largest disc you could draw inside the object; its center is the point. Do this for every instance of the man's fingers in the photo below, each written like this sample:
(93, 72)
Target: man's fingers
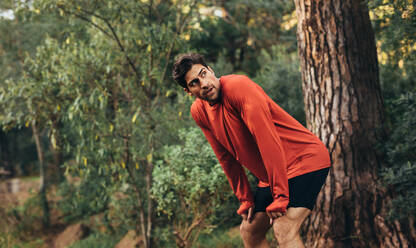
(274, 215)
(250, 214)
(244, 216)
(271, 217)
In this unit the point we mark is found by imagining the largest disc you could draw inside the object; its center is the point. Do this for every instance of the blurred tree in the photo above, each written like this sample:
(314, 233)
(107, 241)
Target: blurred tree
(394, 23)
(344, 108)
(280, 77)
(238, 30)
(110, 91)
(189, 185)
(401, 149)
(395, 26)
(22, 31)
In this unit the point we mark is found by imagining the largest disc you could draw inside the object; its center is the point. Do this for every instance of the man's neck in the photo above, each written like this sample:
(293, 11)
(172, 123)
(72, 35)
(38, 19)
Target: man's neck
(212, 103)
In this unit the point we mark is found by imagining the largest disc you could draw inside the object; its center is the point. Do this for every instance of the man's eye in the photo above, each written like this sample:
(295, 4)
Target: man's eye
(203, 73)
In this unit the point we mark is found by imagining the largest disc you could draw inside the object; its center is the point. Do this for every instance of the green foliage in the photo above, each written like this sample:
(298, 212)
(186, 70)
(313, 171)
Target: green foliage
(281, 79)
(401, 154)
(189, 184)
(236, 31)
(104, 99)
(394, 23)
(83, 199)
(21, 225)
(97, 240)
(221, 238)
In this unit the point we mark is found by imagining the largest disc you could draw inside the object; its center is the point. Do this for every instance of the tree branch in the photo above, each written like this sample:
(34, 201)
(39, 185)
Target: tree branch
(194, 225)
(87, 20)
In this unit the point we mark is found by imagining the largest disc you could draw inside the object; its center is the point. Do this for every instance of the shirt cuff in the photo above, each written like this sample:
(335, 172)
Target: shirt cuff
(245, 205)
(278, 205)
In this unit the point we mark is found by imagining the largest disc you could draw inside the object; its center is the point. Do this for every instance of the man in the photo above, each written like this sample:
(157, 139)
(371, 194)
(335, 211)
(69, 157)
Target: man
(246, 128)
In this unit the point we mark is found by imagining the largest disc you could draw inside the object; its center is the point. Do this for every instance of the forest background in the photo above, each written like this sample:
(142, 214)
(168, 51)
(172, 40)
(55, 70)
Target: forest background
(89, 111)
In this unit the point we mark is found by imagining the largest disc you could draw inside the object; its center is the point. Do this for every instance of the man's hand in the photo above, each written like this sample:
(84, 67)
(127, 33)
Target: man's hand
(248, 215)
(274, 215)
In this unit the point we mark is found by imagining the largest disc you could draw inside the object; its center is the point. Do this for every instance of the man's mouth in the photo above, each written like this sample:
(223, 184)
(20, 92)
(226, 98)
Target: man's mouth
(208, 92)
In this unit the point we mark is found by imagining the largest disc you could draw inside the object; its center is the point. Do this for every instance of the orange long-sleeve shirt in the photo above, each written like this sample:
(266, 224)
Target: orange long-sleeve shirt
(248, 128)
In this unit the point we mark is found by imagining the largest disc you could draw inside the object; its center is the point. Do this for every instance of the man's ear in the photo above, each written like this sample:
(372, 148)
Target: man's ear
(187, 91)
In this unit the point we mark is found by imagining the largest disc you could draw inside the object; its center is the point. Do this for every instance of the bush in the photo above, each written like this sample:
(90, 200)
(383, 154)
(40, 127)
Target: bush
(97, 240)
(281, 79)
(401, 149)
(190, 186)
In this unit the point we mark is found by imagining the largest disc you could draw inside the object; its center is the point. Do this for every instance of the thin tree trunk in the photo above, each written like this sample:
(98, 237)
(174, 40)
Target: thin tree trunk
(344, 108)
(4, 154)
(57, 149)
(149, 200)
(42, 189)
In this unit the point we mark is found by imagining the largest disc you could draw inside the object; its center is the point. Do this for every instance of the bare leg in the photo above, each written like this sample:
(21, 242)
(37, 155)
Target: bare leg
(286, 228)
(254, 233)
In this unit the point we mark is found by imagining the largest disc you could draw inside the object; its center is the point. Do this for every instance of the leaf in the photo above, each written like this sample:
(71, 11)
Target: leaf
(133, 120)
(53, 141)
(149, 157)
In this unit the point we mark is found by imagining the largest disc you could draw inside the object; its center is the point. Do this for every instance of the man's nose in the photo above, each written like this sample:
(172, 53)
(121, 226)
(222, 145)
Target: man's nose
(204, 84)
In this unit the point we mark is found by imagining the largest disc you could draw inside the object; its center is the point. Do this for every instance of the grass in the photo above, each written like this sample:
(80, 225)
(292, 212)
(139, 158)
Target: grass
(220, 238)
(97, 240)
(29, 179)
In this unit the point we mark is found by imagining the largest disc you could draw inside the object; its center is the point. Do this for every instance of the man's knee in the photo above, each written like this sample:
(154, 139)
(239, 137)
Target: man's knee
(285, 231)
(249, 231)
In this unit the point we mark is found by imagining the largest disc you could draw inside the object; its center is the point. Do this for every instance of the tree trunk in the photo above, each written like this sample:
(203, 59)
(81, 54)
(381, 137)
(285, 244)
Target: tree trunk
(42, 189)
(344, 108)
(4, 154)
(149, 171)
(57, 149)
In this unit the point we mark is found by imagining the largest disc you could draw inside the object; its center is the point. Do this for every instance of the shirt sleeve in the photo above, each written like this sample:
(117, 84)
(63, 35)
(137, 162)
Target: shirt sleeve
(253, 104)
(232, 168)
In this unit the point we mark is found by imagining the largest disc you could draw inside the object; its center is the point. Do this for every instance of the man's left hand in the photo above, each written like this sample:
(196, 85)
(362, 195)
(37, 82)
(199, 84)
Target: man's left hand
(274, 215)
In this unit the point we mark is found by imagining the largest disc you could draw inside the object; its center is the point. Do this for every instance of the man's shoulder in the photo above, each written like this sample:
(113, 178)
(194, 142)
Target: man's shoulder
(234, 81)
(197, 110)
(196, 106)
(236, 87)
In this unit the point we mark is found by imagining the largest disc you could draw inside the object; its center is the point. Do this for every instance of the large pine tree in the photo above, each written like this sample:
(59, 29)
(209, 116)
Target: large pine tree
(344, 108)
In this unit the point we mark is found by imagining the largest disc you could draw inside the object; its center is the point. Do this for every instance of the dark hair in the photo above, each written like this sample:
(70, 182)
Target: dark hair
(183, 64)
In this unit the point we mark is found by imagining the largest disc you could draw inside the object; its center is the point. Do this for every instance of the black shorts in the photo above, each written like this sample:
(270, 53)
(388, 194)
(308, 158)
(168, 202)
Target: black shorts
(303, 191)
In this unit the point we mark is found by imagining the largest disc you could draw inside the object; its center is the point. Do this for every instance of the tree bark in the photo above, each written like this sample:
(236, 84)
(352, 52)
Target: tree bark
(344, 108)
(42, 187)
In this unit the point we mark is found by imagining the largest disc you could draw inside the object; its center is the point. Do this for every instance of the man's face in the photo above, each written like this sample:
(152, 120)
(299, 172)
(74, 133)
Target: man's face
(203, 84)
